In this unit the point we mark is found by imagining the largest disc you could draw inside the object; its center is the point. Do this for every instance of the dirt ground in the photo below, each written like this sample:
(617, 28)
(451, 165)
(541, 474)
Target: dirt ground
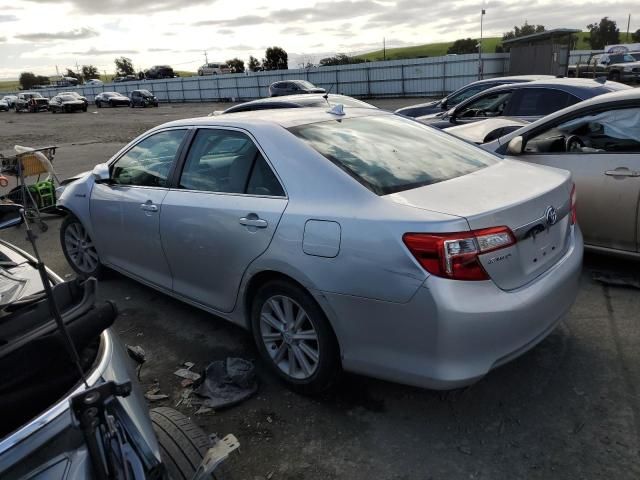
(568, 409)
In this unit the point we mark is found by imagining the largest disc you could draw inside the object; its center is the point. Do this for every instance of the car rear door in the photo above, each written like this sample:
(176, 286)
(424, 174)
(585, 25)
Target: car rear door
(220, 216)
(125, 211)
(604, 159)
(531, 104)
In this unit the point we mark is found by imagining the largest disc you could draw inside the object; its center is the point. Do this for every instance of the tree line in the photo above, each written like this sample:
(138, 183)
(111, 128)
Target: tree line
(605, 32)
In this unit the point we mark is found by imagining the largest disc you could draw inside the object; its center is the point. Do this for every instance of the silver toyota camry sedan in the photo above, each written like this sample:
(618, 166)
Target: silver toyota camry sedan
(350, 239)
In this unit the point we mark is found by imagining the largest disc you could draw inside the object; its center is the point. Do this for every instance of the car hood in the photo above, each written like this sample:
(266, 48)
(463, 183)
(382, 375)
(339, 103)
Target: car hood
(476, 132)
(19, 277)
(73, 102)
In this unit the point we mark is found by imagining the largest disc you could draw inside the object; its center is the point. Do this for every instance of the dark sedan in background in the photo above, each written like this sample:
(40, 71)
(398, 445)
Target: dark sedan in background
(143, 98)
(111, 99)
(67, 104)
(523, 101)
(465, 92)
(293, 87)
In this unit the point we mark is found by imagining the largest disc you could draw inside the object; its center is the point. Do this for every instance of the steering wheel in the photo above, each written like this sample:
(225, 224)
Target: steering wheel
(573, 143)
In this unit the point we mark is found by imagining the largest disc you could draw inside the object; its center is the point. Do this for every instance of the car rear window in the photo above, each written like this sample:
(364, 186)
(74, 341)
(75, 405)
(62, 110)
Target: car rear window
(389, 154)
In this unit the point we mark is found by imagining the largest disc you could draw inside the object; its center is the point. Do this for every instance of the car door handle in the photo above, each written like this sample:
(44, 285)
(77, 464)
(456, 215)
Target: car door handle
(622, 172)
(148, 207)
(253, 222)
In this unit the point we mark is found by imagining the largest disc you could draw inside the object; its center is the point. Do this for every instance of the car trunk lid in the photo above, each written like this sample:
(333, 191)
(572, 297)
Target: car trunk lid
(512, 194)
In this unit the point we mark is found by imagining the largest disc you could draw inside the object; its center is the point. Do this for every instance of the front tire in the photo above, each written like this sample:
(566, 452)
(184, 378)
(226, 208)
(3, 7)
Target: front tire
(99, 104)
(79, 249)
(294, 337)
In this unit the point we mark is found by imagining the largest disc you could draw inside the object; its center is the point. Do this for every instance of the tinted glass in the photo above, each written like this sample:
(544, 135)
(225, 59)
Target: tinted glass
(67, 98)
(540, 101)
(388, 153)
(621, 58)
(489, 105)
(149, 163)
(305, 84)
(223, 161)
(468, 93)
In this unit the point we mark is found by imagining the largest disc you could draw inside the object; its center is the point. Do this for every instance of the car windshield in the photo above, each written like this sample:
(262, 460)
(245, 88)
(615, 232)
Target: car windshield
(33, 95)
(110, 94)
(390, 154)
(146, 93)
(305, 84)
(67, 98)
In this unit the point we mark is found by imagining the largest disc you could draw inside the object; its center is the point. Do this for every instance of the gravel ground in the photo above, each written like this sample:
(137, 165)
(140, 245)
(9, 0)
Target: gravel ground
(567, 409)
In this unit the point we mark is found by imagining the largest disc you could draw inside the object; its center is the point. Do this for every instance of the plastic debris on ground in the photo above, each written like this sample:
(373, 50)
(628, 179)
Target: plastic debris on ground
(153, 394)
(188, 374)
(137, 353)
(226, 383)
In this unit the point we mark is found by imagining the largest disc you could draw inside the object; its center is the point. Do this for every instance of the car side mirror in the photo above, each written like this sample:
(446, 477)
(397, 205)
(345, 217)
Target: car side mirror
(515, 145)
(10, 215)
(101, 173)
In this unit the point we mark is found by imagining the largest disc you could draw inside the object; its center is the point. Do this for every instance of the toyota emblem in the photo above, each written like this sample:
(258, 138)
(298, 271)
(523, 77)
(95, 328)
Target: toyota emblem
(551, 215)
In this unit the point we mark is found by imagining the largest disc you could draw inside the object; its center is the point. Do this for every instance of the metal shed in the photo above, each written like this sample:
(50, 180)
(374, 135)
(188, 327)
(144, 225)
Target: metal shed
(544, 53)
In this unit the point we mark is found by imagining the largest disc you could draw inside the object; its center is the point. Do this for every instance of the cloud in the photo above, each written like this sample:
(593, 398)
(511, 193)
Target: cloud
(158, 50)
(94, 51)
(123, 7)
(320, 12)
(8, 18)
(3, 39)
(77, 34)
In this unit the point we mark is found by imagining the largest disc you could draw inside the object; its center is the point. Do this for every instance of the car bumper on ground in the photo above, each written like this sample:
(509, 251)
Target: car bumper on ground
(452, 333)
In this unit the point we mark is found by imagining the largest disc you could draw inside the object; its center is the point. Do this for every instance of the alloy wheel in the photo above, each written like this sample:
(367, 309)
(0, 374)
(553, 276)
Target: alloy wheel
(80, 248)
(290, 337)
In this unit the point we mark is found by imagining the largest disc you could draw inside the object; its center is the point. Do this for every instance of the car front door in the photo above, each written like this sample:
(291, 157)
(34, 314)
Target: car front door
(483, 106)
(126, 210)
(602, 151)
(220, 217)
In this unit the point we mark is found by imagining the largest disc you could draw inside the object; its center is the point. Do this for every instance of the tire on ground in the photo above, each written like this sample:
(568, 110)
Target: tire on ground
(182, 444)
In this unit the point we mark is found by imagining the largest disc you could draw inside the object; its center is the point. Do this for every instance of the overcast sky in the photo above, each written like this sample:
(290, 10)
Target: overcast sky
(37, 35)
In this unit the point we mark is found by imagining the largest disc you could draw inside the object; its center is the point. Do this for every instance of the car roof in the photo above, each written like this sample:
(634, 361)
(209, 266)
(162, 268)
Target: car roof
(286, 117)
(303, 99)
(581, 87)
(513, 78)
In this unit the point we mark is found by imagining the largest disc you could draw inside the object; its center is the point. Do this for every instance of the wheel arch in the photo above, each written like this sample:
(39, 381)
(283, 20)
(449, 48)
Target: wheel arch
(262, 277)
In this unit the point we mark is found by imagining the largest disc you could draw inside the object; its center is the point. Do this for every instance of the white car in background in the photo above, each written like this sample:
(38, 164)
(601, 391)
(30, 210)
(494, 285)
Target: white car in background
(213, 69)
(94, 82)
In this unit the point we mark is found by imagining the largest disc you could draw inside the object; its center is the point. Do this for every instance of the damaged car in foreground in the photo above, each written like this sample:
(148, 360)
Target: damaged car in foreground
(71, 406)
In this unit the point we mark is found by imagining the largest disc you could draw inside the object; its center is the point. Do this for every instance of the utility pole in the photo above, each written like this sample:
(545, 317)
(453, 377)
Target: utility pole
(628, 24)
(482, 12)
(206, 59)
(384, 48)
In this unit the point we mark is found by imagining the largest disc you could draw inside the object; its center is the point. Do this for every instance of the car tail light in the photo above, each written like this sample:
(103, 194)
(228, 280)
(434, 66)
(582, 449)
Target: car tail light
(574, 218)
(455, 255)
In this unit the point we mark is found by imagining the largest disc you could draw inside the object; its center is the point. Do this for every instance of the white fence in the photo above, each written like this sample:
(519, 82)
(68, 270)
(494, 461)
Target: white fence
(422, 77)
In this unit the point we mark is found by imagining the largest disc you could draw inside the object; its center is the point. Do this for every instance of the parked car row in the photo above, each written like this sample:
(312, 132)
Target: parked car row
(68, 102)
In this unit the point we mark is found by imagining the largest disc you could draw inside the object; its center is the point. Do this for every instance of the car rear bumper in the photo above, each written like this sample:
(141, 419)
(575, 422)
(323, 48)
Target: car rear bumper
(452, 333)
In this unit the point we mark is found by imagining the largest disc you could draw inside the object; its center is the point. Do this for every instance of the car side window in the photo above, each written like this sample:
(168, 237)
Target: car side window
(490, 105)
(227, 161)
(468, 93)
(535, 102)
(611, 131)
(149, 162)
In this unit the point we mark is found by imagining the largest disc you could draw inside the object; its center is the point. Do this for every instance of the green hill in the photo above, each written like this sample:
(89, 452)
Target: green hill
(438, 49)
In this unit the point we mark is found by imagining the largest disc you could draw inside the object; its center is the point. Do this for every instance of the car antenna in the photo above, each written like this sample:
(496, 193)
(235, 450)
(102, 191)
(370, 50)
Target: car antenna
(326, 95)
(53, 307)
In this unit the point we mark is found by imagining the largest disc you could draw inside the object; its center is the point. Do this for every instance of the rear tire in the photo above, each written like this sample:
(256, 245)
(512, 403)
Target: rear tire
(182, 444)
(99, 104)
(305, 354)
